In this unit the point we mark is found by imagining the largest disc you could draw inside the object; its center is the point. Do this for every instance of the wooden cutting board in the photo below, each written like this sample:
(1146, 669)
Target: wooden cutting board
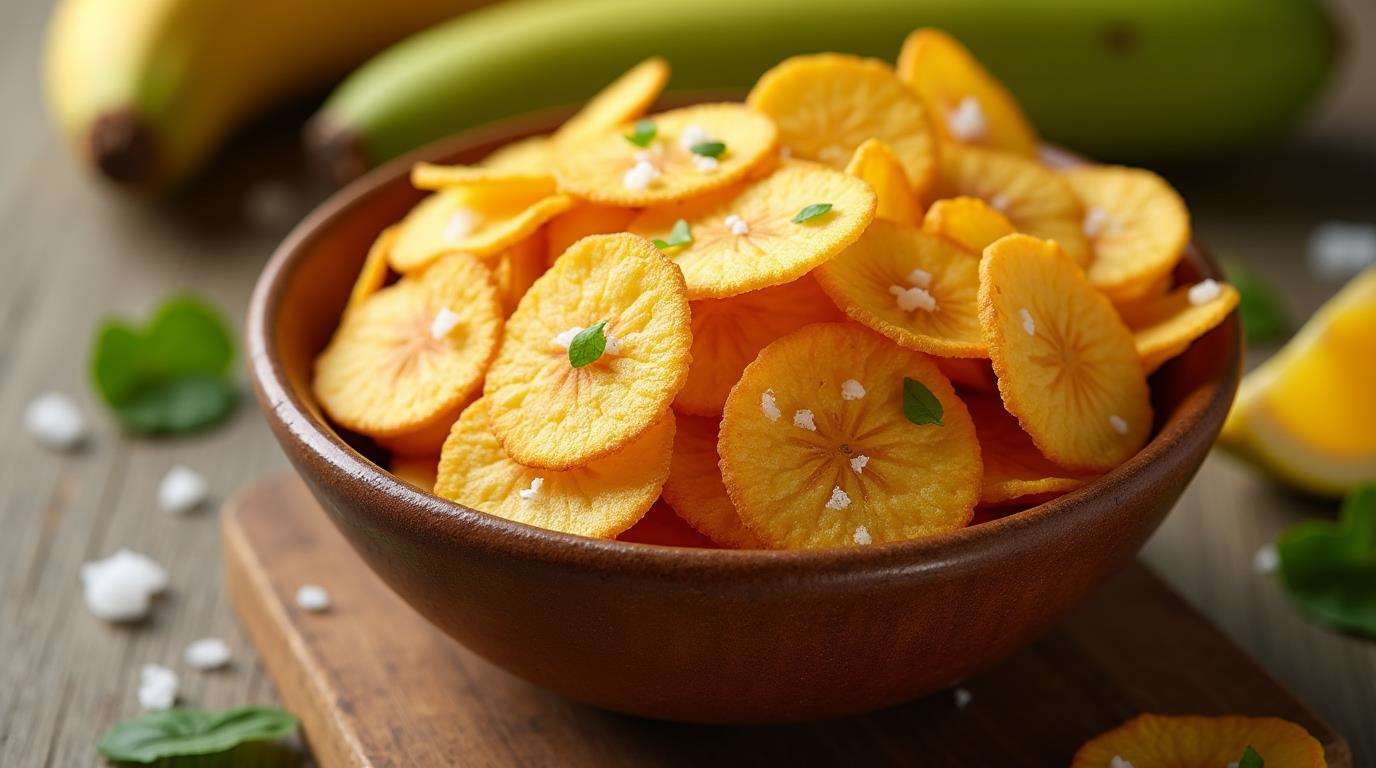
(375, 685)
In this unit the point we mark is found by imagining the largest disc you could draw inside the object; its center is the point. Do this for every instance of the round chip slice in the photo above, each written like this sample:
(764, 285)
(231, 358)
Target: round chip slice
(967, 105)
(826, 105)
(661, 526)
(1067, 366)
(517, 268)
(816, 449)
(918, 289)
(729, 333)
(1015, 472)
(479, 220)
(968, 221)
(433, 177)
(532, 154)
(625, 99)
(1037, 200)
(1164, 327)
(425, 440)
(1178, 741)
(375, 271)
(1138, 226)
(582, 220)
(413, 353)
(420, 471)
(600, 499)
(874, 162)
(695, 490)
(609, 166)
(746, 238)
(549, 414)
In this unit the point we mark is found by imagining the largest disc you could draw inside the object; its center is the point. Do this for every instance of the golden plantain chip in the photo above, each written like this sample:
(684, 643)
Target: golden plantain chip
(666, 157)
(695, 490)
(876, 164)
(582, 220)
(375, 271)
(424, 440)
(433, 177)
(966, 104)
(481, 221)
(1167, 741)
(1015, 472)
(919, 290)
(517, 268)
(1164, 327)
(412, 353)
(532, 154)
(601, 498)
(728, 333)
(548, 413)
(420, 471)
(826, 105)
(1037, 200)
(1138, 226)
(967, 221)
(625, 99)
(816, 449)
(757, 235)
(1067, 366)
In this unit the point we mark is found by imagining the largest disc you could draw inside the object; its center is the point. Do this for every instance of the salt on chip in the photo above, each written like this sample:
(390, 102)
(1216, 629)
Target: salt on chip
(582, 220)
(796, 487)
(478, 220)
(531, 154)
(1015, 472)
(600, 498)
(606, 167)
(625, 99)
(549, 414)
(745, 238)
(1067, 367)
(967, 221)
(375, 269)
(876, 164)
(874, 279)
(1166, 326)
(1147, 741)
(695, 490)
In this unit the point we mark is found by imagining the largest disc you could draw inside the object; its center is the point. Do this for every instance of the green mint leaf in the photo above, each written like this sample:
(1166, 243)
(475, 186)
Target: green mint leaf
(709, 148)
(1250, 759)
(1260, 306)
(171, 375)
(178, 732)
(588, 345)
(920, 406)
(643, 134)
(811, 212)
(1329, 568)
(679, 235)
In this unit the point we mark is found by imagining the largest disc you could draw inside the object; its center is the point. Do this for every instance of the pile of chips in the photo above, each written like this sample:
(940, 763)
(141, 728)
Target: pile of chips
(855, 309)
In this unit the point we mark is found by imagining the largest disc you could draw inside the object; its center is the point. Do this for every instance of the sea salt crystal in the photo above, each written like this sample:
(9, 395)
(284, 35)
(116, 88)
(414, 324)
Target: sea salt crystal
(963, 698)
(182, 490)
(705, 163)
(1202, 293)
(209, 653)
(769, 406)
(862, 536)
(858, 462)
(852, 390)
(1028, 324)
(839, 499)
(121, 587)
(1118, 762)
(461, 224)
(737, 225)
(967, 122)
(157, 687)
(445, 321)
(1096, 222)
(1001, 202)
(639, 176)
(565, 338)
(692, 136)
(529, 494)
(920, 278)
(1339, 250)
(910, 299)
(1119, 425)
(55, 422)
(1266, 559)
(803, 420)
(313, 598)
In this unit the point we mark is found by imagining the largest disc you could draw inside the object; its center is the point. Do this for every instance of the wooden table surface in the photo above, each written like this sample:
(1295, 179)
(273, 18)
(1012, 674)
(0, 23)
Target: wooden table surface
(72, 253)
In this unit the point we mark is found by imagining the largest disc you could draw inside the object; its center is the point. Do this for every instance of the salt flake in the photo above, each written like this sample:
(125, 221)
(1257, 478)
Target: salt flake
(461, 224)
(1097, 221)
(55, 421)
(852, 390)
(862, 536)
(839, 499)
(157, 687)
(769, 406)
(529, 494)
(920, 278)
(121, 587)
(1028, 324)
(910, 299)
(1119, 425)
(737, 225)
(445, 321)
(967, 122)
(208, 653)
(803, 419)
(1203, 292)
(963, 698)
(313, 598)
(858, 463)
(1266, 559)
(182, 490)
(565, 338)
(639, 176)
(692, 136)
(705, 163)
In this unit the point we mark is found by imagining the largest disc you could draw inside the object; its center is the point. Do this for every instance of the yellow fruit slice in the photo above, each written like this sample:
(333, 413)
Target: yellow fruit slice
(481, 221)
(549, 414)
(1015, 472)
(1037, 200)
(877, 165)
(625, 99)
(918, 289)
(1307, 415)
(517, 268)
(1067, 366)
(1186, 741)
(375, 269)
(695, 490)
(745, 238)
(600, 499)
(967, 105)
(729, 333)
(433, 177)
(827, 105)
(420, 471)
(1166, 326)
(968, 222)
(413, 352)
(1137, 224)
(532, 154)
(816, 450)
(582, 220)
(608, 167)
(662, 527)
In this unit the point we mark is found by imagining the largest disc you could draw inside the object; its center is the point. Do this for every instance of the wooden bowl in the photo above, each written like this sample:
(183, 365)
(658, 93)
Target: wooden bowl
(702, 635)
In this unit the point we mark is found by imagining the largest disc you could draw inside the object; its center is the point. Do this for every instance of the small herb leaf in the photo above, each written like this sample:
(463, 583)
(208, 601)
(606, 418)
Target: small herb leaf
(588, 345)
(643, 134)
(920, 406)
(678, 235)
(1250, 759)
(709, 148)
(180, 732)
(1329, 569)
(811, 212)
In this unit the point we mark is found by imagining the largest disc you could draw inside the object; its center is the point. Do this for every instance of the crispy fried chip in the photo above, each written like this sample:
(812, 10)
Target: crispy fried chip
(728, 333)
(968, 373)
(745, 239)
(530, 154)
(601, 498)
(607, 166)
(663, 527)
(427, 439)
(1015, 472)
(413, 352)
(1166, 326)
(582, 220)
(517, 268)
(1137, 224)
(1067, 367)
(550, 414)
(918, 289)
(478, 220)
(968, 221)
(432, 177)
(817, 451)
(1036, 199)
(1176, 741)
(420, 471)
(695, 490)
(874, 162)
(625, 99)
(374, 273)
(827, 105)
(967, 105)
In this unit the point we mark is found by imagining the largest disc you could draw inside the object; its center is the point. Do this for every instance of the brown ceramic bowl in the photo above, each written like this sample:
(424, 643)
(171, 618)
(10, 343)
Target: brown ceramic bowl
(703, 635)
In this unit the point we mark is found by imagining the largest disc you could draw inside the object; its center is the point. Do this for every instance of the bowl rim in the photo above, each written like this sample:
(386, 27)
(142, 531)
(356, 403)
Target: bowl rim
(1196, 420)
